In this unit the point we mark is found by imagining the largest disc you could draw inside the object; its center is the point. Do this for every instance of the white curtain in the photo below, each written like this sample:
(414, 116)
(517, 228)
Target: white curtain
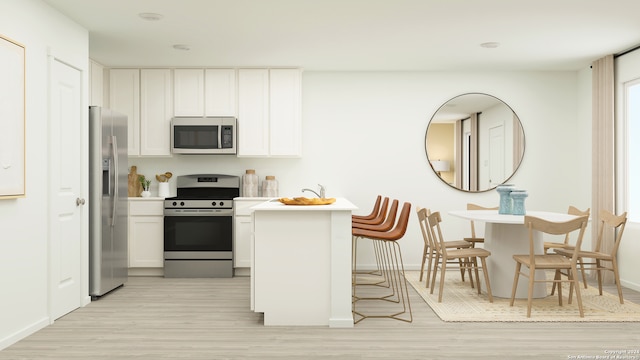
(603, 153)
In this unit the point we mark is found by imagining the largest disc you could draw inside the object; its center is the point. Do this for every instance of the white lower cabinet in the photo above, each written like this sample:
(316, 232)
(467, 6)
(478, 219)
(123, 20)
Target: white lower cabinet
(242, 234)
(146, 236)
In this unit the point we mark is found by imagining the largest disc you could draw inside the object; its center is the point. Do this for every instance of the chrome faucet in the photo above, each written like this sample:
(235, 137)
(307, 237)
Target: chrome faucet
(322, 191)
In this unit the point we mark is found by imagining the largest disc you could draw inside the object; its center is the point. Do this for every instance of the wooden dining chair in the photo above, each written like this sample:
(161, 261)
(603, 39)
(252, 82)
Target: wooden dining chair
(469, 256)
(609, 222)
(555, 262)
(429, 251)
(566, 244)
(474, 239)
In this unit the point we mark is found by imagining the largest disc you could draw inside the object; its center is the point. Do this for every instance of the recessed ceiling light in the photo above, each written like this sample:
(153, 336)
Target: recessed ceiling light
(490, 45)
(181, 47)
(150, 16)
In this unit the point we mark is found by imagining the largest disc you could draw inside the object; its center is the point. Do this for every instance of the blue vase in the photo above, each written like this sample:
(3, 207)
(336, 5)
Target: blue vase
(505, 198)
(518, 197)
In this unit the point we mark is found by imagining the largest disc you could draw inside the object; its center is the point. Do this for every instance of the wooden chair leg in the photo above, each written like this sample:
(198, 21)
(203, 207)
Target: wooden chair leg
(443, 272)
(435, 272)
(486, 278)
(559, 277)
(577, 287)
(532, 277)
(429, 267)
(469, 268)
(424, 258)
(475, 268)
(599, 271)
(553, 288)
(462, 269)
(616, 276)
(583, 272)
(515, 283)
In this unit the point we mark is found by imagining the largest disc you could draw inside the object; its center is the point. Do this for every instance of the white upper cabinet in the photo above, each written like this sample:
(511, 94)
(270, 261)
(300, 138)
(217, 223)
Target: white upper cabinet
(205, 92)
(156, 111)
(220, 92)
(253, 112)
(285, 125)
(269, 113)
(188, 93)
(124, 97)
(145, 97)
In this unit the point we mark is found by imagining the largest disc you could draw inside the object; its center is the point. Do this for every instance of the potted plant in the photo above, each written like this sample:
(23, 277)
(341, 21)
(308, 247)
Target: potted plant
(145, 186)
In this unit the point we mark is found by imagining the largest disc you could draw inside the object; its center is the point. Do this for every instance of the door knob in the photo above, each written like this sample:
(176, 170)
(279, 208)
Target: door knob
(79, 201)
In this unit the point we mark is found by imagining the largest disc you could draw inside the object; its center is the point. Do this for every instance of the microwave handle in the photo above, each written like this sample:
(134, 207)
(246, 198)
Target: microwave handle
(220, 137)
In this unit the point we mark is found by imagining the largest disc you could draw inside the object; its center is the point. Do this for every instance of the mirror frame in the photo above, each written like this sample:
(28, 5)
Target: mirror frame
(515, 169)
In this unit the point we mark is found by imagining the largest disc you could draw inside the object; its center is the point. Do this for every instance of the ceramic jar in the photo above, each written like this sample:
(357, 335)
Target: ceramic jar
(518, 197)
(250, 184)
(163, 189)
(505, 199)
(270, 186)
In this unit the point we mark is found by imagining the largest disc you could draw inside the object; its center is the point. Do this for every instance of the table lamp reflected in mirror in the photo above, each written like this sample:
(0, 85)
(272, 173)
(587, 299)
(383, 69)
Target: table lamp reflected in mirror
(439, 166)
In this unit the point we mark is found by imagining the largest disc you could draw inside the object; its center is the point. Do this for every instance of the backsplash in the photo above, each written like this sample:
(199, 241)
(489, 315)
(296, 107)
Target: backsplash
(289, 179)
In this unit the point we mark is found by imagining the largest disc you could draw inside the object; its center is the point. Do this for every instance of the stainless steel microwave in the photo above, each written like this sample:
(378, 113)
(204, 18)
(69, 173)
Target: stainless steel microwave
(203, 135)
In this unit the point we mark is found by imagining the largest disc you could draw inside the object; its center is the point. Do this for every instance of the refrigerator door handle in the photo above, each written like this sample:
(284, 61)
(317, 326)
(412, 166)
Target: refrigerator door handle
(114, 141)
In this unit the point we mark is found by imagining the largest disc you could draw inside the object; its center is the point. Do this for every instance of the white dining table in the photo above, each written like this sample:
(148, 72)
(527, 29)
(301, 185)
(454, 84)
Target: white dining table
(505, 236)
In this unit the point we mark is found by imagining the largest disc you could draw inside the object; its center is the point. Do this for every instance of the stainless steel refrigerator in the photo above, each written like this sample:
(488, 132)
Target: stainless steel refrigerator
(108, 206)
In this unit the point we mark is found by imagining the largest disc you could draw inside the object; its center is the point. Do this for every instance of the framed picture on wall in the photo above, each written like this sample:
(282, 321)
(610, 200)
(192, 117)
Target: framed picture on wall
(12, 119)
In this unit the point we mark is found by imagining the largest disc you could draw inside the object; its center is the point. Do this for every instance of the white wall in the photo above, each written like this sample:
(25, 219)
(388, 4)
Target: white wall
(364, 134)
(23, 222)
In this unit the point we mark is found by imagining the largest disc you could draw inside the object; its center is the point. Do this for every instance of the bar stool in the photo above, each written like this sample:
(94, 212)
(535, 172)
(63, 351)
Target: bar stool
(381, 278)
(376, 217)
(392, 265)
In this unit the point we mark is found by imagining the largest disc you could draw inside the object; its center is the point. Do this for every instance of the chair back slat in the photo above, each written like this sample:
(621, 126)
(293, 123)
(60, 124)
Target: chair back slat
(611, 222)
(471, 206)
(556, 228)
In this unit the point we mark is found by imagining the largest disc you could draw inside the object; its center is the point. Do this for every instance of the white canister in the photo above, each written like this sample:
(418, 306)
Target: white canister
(270, 186)
(163, 189)
(250, 184)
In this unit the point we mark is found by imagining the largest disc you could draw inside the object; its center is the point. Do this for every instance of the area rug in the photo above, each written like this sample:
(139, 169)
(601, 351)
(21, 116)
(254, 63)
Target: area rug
(462, 303)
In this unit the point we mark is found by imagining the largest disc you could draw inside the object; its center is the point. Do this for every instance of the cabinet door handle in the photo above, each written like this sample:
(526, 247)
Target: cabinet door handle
(80, 201)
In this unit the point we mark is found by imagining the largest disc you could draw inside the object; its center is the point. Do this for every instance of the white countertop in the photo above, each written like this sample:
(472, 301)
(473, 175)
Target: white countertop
(492, 216)
(252, 198)
(275, 205)
(140, 198)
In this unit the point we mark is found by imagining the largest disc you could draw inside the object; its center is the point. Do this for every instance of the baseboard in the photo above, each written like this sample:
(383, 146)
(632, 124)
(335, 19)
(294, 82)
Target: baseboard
(630, 285)
(19, 335)
(242, 271)
(146, 272)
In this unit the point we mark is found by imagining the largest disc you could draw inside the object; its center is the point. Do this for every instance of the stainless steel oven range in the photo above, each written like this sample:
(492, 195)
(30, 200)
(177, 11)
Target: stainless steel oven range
(198, 226)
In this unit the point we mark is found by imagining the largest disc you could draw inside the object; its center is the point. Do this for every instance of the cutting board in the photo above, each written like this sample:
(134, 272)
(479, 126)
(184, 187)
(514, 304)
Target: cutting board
(135, 188)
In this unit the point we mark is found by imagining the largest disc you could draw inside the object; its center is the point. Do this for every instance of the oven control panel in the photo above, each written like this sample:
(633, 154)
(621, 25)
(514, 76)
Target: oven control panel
(197, 204)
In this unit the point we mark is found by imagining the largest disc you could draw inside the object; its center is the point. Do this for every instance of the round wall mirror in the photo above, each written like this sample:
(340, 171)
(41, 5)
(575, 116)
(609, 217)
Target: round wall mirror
(474, 142)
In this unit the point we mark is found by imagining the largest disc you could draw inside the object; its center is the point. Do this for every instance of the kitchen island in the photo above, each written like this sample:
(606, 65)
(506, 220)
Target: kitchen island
(301, 263)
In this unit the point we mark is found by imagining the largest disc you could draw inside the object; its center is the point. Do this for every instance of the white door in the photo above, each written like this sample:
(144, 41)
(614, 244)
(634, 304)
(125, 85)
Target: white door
(65, 174)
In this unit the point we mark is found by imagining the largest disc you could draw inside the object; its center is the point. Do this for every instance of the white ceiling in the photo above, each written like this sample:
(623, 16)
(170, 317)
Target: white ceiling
(358, 35)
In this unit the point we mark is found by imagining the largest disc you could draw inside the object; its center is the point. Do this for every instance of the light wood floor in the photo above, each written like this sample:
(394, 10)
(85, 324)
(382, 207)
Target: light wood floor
(158, 318)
